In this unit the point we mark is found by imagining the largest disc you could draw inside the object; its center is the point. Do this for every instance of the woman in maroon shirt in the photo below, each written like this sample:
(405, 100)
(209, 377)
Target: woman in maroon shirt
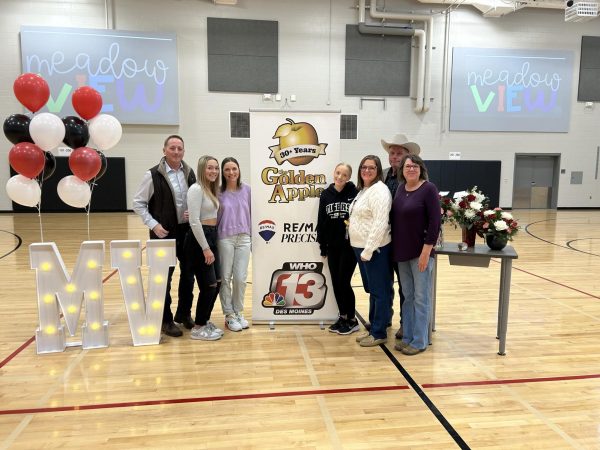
(415, 226)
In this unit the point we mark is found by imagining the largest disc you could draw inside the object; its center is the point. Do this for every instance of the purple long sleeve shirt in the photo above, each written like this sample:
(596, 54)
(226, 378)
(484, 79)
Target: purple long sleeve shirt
(416, 220)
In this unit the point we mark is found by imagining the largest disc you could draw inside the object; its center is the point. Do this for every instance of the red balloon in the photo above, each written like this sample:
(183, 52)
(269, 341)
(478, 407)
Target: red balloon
(27, 159)
(32, 91)
(87, 102)
(85, 163)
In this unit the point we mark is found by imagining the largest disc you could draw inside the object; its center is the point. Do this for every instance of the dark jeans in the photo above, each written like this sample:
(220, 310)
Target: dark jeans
(342, 262)
(376, 276)
(185, 291)
(207, 275)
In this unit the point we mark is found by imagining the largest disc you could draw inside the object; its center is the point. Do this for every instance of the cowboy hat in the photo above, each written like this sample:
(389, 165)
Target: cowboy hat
(401, 140)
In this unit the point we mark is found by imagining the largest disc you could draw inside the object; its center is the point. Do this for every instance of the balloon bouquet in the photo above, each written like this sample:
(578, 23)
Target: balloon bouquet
(34, 138)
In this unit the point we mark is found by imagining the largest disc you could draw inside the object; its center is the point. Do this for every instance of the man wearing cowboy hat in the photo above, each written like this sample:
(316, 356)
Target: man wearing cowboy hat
(396, 148)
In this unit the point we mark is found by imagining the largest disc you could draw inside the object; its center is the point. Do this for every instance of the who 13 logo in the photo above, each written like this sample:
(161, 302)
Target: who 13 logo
(297, 285)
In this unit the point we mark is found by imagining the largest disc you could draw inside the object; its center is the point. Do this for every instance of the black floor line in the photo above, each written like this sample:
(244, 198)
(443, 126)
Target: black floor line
(19, 242)
(568, 246)
(436, 412)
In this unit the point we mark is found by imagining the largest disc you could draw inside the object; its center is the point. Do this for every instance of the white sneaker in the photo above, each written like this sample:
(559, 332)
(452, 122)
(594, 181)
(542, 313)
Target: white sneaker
(205, 333)
(232, 322)
(243, 322)
(215, 328)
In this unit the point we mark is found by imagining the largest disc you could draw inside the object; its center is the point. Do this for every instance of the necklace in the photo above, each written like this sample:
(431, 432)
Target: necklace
(413, 190)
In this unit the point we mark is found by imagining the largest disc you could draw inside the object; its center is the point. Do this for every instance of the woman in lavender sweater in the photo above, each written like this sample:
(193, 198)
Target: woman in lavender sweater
(234, 243)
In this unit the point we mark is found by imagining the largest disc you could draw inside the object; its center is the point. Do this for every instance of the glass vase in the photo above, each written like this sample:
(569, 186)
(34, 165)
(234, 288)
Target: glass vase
(469, 235)
(440, 240)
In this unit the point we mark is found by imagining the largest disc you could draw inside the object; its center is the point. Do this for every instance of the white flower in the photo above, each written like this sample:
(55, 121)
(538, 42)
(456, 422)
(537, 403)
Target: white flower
(489, 212)
(475, 205)
(506, 216)
(469, 213)
(500, 225)
(479, 197)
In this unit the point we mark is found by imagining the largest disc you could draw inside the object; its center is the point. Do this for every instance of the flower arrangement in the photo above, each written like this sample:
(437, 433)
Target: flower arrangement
(498, 223)
(446, 209)
(467, 209)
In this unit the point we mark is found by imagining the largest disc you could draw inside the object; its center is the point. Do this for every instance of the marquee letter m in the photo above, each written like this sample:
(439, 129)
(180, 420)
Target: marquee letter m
(56, 289)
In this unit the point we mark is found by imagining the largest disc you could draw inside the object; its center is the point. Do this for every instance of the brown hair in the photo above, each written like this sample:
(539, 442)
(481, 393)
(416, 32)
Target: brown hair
(223, 180)
(176, 136)
(379, 177)
(423, 174)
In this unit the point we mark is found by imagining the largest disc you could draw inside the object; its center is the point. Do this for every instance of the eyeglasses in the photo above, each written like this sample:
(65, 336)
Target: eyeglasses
(411, 166)
(368, 168)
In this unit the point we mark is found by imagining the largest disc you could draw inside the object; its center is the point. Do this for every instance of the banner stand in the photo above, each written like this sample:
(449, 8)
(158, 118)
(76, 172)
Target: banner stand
(293, 155)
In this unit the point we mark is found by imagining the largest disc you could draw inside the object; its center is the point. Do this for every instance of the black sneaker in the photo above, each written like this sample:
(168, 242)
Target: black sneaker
(170, 329)
(336, 326)
(349, 326)
(187, 322)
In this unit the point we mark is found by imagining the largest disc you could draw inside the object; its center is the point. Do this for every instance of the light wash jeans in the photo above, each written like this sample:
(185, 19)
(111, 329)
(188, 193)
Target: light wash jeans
(416, 310)
(234, 252)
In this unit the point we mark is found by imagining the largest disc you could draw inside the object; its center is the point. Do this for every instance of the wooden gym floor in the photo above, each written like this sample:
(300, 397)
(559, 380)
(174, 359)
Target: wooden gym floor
(298, 386)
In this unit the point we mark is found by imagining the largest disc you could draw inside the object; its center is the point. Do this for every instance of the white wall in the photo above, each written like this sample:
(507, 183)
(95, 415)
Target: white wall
(307, 32)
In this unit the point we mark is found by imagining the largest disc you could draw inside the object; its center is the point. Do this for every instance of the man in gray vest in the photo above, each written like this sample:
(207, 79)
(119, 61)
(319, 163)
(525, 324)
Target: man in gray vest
(161, 202)
(397, 148)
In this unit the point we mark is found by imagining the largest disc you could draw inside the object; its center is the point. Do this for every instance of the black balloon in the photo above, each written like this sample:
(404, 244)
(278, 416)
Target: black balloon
(49, 166)
(16, 128)
(76, 132)
(103, 166)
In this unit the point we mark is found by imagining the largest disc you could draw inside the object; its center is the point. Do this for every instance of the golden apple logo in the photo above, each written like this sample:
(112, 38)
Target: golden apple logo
(298, 143)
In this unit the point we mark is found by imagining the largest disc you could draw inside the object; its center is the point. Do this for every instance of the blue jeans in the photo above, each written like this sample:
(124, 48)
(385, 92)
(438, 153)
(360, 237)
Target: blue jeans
(377, 282)
(234, 252)
(416, 311)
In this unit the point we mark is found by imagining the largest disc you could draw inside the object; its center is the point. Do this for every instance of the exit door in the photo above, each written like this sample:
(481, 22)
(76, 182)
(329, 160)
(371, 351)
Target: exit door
(536, 181)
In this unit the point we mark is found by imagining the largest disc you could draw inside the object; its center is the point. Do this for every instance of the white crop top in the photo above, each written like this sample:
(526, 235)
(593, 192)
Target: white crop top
(200, 207)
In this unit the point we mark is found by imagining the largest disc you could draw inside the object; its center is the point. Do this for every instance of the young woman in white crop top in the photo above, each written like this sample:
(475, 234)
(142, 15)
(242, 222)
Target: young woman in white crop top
(201, 246)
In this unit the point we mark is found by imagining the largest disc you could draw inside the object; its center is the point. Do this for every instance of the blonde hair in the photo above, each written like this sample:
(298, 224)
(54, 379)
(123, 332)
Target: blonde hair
(211, 187)
(346, 165)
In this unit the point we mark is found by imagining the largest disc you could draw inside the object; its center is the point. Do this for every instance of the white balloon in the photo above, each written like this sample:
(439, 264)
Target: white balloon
(24, 191)
(47, 130)
(105, 131)
(74, 191)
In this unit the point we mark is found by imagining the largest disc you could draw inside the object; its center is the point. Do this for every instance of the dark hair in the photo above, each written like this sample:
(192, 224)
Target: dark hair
(423, 174)
(379, 177)
(223, 180)
(176, 136)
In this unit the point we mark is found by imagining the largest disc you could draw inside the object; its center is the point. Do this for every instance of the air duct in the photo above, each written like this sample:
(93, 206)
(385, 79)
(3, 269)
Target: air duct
(424, 37)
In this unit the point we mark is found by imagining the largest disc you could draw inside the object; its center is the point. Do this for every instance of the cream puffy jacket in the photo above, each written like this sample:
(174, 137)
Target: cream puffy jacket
(369, 226)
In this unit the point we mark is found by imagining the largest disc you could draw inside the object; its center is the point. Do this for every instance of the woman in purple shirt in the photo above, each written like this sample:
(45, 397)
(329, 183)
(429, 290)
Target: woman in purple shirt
(415, 226)
(234, 243)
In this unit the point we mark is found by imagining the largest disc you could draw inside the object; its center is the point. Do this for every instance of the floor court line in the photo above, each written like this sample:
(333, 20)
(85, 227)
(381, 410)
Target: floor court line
(510, 381)
(216, 398)
(26, 344)
(297, 393)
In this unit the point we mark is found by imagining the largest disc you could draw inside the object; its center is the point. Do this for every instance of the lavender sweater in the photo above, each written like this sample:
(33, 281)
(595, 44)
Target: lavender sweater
(416, 220)
(234, 213)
